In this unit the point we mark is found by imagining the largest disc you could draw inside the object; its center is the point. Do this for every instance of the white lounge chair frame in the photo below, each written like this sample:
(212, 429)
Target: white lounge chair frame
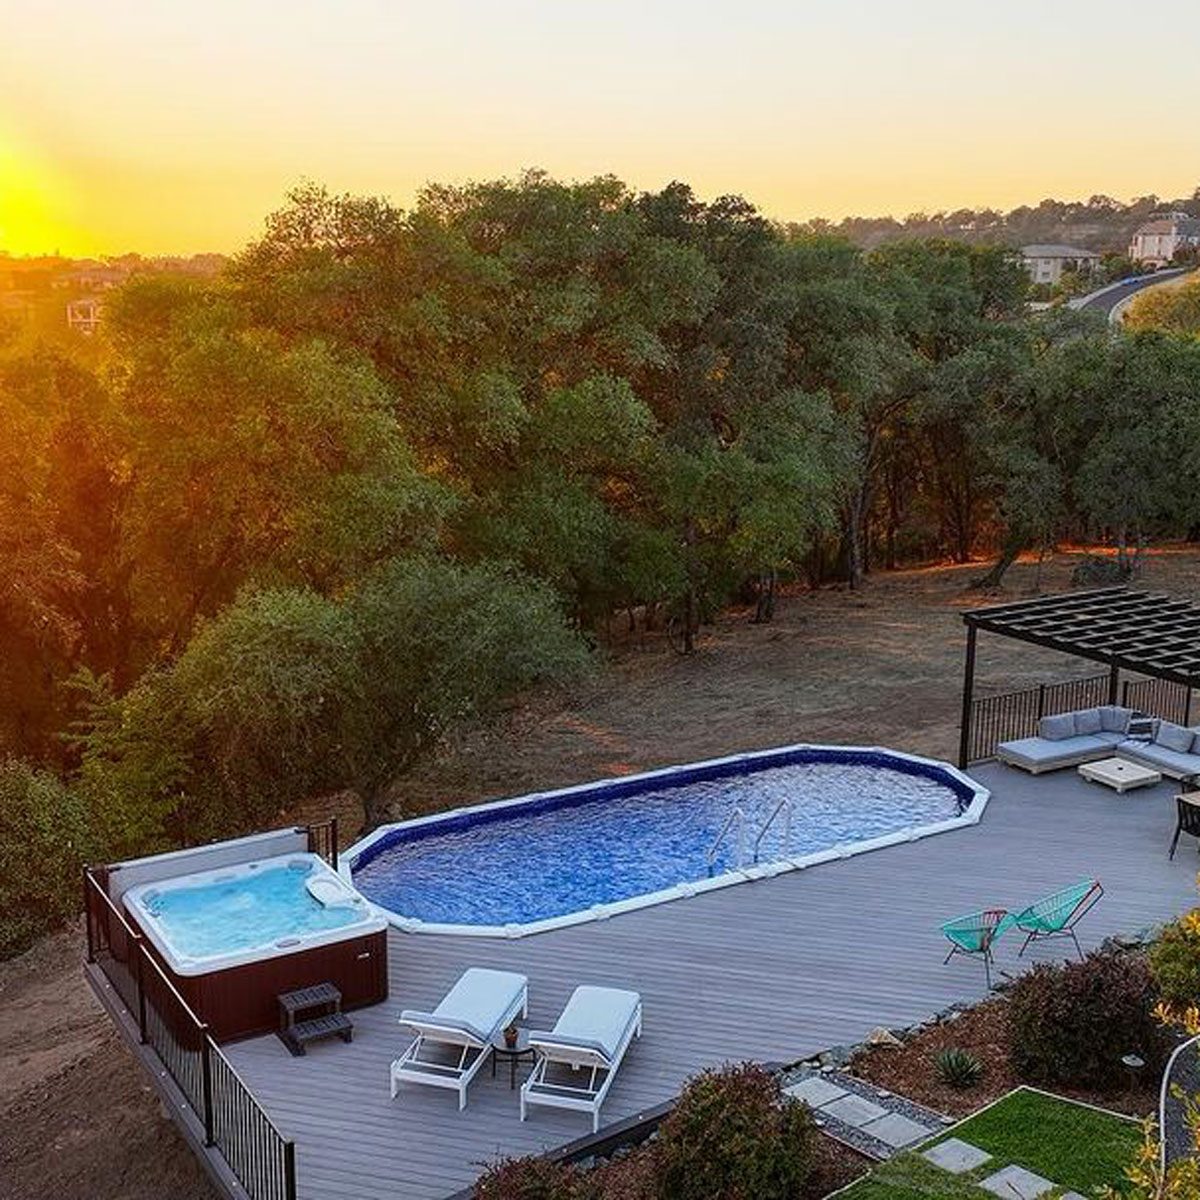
(538, 1090)
(473, 1050)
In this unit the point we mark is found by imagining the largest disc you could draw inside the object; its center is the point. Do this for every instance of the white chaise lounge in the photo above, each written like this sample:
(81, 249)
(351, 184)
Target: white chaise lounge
(454, 1040)
(592, 1034)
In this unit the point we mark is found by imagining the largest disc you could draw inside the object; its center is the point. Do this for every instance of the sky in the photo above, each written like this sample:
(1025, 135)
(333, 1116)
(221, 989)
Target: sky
(175, 126)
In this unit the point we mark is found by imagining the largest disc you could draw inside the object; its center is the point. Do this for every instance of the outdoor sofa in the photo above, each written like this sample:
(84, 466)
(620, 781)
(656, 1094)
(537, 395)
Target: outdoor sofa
(1070, 738)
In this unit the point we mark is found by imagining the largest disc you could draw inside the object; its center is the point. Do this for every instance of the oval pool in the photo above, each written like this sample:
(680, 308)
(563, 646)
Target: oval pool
(583, 853)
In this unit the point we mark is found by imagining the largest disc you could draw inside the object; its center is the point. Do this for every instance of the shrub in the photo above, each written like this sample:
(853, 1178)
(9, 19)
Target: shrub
(1071, 1024)
(734, 1134)
(45, 839)
(958, 1068)
(529, 1179)
(1175, 961)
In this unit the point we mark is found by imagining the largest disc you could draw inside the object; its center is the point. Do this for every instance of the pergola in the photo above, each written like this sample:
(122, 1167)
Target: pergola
(1151, 635)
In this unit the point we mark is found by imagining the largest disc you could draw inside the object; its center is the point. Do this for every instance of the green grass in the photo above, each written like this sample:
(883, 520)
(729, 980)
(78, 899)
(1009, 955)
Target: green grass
(1075, 1146)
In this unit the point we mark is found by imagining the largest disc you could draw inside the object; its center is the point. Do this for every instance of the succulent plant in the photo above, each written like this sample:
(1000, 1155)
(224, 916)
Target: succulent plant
(958, 1068)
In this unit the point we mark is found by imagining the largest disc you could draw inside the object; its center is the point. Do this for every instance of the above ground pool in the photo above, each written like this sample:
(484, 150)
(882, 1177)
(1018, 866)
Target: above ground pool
(556, 858)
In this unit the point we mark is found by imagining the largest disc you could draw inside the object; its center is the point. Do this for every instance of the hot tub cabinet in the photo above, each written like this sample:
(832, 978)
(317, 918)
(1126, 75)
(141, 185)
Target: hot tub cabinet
(236, 924)
(240, 1001)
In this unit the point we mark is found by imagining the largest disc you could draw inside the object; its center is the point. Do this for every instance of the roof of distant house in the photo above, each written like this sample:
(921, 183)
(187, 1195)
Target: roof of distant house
(1050, 250)
(1175, 223)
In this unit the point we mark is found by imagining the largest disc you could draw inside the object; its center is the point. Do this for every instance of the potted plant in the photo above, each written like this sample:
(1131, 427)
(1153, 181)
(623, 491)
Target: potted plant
(510, 1036)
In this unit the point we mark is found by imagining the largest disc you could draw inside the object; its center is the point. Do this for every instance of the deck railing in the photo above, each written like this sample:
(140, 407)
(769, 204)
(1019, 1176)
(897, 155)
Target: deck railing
(323, 840)
(1159, 698)
(996, 719)
(261, 1158)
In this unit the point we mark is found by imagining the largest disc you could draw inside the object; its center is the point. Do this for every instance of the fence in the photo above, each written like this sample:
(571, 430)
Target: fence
(263, 1160)
(996, 719)
(1159, 698)
(323, 840)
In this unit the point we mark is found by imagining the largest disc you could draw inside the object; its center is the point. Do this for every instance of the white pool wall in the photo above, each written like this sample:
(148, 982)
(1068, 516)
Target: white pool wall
(972, 814)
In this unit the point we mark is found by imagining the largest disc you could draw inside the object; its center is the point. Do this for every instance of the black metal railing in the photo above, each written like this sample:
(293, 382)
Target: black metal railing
(261, 1158)
(265, 1163)
(323, 840)
(996, 719)
(1159, 698)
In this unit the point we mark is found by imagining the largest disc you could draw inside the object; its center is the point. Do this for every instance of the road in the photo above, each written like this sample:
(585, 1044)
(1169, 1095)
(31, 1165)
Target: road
(1106, 300)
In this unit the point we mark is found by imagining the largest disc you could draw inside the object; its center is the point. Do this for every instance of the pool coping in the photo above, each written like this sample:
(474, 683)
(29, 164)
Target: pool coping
(972, 814)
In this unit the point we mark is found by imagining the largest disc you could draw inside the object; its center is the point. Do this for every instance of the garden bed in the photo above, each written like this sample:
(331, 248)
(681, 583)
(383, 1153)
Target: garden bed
(909, 1068)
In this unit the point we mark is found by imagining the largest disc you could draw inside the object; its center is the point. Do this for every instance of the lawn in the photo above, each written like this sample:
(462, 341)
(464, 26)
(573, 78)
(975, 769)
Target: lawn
(1073, 1145)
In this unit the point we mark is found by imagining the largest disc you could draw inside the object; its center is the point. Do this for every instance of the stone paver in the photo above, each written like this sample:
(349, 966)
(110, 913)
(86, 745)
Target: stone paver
(815, 1091)
(956, 1156)
(1016, 1183)
(854, 1110)
(897, 1130)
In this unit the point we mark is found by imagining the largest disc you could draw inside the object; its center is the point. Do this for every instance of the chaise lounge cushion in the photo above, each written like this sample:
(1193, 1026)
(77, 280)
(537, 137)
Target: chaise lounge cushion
(1088, 720)
(1041, 754)
(595, 1019)
(1174, 737)
(1058, 727)
(1114, 718)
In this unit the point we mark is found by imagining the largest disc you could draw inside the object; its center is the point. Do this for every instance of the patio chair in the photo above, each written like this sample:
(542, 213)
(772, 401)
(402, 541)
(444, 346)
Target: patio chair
(1187, 818)
(593, 1032)
(976, 934)
(471, 1014)
(1057, 915)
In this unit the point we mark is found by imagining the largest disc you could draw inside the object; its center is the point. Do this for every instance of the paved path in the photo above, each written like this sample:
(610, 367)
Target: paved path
(774, 970)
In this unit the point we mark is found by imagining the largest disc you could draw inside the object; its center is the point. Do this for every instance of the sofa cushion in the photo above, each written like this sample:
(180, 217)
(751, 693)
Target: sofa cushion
(1087, 720)
(1154, 755)
(1043, 753)
(1057, 727)
(1174, 737)
(1114, 718)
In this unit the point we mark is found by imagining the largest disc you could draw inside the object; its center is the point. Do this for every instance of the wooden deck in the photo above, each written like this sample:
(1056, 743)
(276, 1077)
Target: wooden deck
(773, 970)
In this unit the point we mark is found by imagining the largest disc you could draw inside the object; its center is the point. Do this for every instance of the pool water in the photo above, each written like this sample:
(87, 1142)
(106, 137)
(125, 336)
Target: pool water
(245, 911)
(525, 865)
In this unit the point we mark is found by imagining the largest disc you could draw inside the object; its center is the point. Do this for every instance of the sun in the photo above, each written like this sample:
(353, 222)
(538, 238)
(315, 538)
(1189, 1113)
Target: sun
(35, 202)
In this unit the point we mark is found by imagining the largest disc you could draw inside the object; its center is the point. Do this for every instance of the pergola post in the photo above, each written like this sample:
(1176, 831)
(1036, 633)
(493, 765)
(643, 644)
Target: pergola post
(1114, 673)
(968, 699)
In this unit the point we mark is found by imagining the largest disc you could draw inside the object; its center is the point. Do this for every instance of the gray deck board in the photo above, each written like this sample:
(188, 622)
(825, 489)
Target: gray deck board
(772, 970)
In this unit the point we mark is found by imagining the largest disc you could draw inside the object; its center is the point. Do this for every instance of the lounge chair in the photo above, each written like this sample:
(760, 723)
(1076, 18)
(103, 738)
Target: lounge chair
(976, 934)
(593, 1033)
(473, 1012)
(1057, 915)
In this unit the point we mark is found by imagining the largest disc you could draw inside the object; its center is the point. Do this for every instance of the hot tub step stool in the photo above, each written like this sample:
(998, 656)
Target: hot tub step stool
(303, 1032)
(296, 1034)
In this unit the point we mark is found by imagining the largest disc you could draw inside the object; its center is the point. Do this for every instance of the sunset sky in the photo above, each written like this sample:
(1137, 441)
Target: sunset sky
(176, 125)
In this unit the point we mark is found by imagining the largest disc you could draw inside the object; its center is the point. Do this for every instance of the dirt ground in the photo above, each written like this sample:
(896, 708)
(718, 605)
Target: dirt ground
(883, 665)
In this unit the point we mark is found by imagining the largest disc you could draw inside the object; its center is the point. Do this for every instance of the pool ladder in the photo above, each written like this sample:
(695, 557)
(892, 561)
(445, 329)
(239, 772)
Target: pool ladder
(736, 823)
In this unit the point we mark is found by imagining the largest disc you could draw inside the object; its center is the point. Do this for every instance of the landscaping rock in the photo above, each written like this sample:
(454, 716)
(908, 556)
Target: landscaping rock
(882, 1037)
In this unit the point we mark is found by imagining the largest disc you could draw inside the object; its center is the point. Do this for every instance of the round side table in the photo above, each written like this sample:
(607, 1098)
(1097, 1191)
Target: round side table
(502, 1050)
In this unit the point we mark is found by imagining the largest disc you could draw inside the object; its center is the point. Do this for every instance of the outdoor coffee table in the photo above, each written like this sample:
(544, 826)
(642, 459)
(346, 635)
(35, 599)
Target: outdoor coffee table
(514, 1054)
(1119, 774)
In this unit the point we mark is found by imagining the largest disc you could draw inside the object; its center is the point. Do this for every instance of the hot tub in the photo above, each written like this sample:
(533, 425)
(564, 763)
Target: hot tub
(233, 938)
